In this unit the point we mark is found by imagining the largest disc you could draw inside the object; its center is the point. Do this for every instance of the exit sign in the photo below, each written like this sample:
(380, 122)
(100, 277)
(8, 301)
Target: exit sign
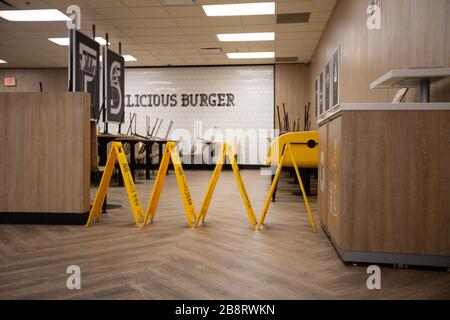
(10, 82)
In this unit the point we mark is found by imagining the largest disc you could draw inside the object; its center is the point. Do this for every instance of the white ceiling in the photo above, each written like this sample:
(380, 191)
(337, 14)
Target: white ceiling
(157, 34)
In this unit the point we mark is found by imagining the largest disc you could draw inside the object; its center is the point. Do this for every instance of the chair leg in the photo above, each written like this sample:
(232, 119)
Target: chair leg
(306, 178)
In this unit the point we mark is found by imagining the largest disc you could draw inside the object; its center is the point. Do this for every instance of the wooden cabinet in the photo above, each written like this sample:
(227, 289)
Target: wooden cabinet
(44, 169)
(384, 178)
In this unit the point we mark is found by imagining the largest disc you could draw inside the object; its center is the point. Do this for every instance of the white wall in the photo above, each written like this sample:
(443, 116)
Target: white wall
(251, 87)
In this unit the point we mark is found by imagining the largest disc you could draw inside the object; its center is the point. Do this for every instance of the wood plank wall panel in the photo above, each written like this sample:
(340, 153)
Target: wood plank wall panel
(415, 33)
(292, 88)
(396, 175)
(53, 80)
(46, 140)
(334, 178)
(322, 188)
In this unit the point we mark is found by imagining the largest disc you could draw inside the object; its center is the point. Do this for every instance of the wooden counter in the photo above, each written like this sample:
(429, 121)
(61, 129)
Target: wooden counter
(384, 182)
(44, 167)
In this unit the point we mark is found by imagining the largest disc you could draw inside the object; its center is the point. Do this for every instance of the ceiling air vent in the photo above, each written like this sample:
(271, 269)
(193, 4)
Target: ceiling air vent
(293, 17)
(286, 59)
(211, 50)
(179, 2)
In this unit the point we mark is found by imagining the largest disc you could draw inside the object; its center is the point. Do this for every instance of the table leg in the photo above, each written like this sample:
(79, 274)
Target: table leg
(102, 151)
(160, 152)
(425, 90)
(148, 160)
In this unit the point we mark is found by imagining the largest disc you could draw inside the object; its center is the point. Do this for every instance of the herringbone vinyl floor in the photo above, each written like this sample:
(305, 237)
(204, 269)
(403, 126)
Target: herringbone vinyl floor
(223, 259)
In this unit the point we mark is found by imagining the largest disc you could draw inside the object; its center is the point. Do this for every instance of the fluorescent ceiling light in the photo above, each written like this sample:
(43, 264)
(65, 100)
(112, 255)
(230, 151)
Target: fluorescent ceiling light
(128, 57)
(251, 55)
(34, 15)
(240, 9)
(2, 61)
(65, 41)
(259, 36)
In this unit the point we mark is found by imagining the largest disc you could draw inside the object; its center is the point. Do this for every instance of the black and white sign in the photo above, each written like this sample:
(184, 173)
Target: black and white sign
(85, 68)
(316, 97)
(114, 66)
(336, 67)
(327, 85)
(321, 100)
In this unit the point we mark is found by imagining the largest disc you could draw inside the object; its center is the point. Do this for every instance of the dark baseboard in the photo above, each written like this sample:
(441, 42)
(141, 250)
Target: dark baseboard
(43, 218)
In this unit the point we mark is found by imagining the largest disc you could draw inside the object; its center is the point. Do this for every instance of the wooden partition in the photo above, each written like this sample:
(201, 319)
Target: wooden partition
(385, 179)
(44, 167)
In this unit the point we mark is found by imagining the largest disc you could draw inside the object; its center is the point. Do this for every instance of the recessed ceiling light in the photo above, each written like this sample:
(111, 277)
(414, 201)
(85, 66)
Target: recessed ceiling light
(251, 55)
(34, 15)
(239, 9)
(65, 41)
(259, 36)
(129, 57)
(2, 61)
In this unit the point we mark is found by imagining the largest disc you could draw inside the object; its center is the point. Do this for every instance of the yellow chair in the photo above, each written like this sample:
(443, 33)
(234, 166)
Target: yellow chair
(304, 147)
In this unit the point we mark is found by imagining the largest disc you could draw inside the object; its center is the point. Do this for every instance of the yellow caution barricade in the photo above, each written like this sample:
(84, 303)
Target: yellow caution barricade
(170, 152)
(226, 151)
(287, 152)
(116, 153)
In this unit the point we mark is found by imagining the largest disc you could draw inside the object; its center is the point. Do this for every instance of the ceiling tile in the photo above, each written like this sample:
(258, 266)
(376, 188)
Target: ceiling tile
(186, 11)
(160, 22)
(228, 29)
(147, 39)
(192, 22)
(174, 39)
(225, 21)
(116, 13)
(150, 12)
(197, 30)
(104, 3)
(128, 23)
(150, 29)
(141, 3)
(167, 31)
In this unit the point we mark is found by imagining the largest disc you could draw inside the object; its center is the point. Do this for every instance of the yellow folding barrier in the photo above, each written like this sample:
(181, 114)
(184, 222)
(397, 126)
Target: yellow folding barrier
(170, 152)
(118, 154)
(287, 151)
(226, 151)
